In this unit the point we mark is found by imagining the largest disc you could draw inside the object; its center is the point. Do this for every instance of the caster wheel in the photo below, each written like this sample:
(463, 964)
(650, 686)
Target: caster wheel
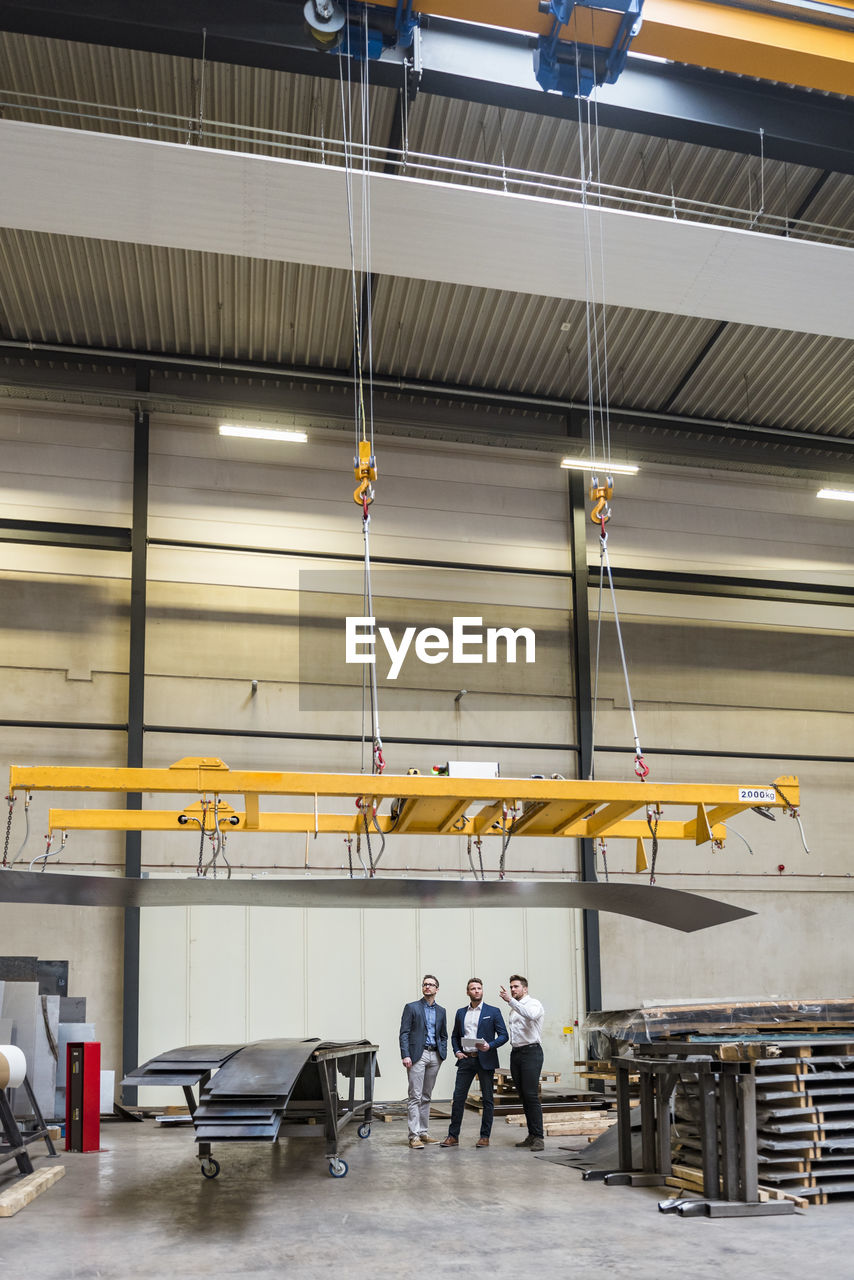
(210, 1168)
(364, 1130)
(338, 1168)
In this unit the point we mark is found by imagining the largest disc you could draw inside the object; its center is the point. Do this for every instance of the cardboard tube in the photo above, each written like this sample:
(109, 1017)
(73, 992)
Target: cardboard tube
(13, 1066)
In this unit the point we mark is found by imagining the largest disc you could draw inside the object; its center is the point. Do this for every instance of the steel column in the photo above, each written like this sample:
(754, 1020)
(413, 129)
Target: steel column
(583, 691)
(136, 698)
(707, 1088)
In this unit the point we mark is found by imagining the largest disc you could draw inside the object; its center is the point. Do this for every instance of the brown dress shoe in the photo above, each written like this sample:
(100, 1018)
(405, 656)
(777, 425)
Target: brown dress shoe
(450, 1142)
(482, 1142)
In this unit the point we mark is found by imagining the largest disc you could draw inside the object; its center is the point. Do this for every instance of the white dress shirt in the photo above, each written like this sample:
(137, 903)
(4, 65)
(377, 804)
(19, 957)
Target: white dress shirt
(526, 1021)
(471, 1020)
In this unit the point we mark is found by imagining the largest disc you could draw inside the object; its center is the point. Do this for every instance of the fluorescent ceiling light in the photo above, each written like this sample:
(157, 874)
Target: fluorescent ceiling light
(840, 495)
(263, 433)
(613, 468)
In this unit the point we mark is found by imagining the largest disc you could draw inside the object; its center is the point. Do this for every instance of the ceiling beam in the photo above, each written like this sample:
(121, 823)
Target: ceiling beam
(474, 64)
(140, 191)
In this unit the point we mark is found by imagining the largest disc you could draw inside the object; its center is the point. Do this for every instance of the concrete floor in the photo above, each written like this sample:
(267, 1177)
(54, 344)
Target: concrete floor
(141, 1208)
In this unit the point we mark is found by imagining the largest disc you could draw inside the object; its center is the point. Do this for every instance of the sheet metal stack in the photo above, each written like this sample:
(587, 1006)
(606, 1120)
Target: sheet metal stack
(247, 1098)
(802, 1056)
(805, 1118)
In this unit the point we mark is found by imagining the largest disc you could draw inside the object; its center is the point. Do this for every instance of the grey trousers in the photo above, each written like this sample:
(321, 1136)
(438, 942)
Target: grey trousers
(422, 1077)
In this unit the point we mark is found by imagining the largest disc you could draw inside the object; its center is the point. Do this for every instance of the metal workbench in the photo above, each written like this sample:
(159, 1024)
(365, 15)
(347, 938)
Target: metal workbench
(269, 1089)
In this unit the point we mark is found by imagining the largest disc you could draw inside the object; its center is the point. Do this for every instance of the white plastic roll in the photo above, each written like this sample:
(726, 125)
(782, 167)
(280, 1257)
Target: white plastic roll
(13, 1066)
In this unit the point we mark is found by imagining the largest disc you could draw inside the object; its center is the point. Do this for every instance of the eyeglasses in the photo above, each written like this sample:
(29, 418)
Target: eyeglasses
(429, 984)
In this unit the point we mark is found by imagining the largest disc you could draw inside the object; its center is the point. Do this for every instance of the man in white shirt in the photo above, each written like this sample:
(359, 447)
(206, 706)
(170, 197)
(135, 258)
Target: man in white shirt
(526, 1055)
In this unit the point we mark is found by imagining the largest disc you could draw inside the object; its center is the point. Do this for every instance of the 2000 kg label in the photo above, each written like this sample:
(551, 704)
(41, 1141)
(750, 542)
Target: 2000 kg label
(761, 794)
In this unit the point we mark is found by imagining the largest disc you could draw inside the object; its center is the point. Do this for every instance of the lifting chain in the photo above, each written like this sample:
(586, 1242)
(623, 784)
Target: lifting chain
(506, 834)
(793, 812)
(199, 868)
(10, 800)
(653, 817)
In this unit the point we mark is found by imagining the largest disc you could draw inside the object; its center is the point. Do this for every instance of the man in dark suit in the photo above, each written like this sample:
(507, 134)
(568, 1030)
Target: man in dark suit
(423, 1049)
(484, 1024)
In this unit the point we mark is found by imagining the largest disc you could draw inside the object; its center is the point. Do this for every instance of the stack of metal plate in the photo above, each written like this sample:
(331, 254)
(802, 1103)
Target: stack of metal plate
(246, 1100)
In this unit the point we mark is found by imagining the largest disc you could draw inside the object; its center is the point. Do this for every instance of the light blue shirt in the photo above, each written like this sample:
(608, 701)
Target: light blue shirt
(430, 1019)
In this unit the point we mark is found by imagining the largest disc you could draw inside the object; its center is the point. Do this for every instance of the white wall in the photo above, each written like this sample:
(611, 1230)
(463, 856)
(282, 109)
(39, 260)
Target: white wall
(232, 974)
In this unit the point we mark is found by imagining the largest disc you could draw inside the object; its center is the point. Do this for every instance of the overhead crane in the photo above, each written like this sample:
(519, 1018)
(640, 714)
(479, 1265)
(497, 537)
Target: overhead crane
(418, 805)
(808, 44)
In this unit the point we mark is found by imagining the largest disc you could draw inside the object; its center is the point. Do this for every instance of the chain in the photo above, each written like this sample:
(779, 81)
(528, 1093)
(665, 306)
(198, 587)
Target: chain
(201, 842)
(349, 842)
(604, 851)
(780, 792)
(368, 840)
(652, 820)
(793, 812)
(11, 802)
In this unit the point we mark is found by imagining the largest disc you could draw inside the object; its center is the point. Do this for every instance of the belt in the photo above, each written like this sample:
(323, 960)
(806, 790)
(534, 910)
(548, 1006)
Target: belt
(517, 1048)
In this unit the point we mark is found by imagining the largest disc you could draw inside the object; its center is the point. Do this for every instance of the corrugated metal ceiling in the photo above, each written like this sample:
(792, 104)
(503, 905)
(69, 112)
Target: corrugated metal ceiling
(100, 294)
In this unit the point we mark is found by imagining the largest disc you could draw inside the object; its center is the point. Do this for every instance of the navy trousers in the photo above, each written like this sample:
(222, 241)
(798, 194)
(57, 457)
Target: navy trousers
(467, 1069)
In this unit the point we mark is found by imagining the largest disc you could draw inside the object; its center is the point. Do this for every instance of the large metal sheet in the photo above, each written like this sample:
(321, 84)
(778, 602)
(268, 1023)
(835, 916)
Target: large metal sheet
(184, 1066)
(672, 908)
(206, 1055)
(267, 1067)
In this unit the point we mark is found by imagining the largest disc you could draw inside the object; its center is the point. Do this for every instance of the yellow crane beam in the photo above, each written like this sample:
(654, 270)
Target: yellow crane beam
(704, 34)
(427, 805)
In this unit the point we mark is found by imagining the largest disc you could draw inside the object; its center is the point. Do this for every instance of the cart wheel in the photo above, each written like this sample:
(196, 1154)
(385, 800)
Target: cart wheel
(210, 1168)
(338, 1168)
(364, 1130)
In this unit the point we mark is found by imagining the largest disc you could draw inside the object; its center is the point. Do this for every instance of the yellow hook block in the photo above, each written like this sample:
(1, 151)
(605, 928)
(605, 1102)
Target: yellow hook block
(365, 471)
(601, 494)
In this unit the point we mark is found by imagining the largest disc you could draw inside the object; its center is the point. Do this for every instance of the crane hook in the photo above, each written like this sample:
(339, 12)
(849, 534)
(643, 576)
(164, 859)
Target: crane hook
(601, 494)
(365, 471)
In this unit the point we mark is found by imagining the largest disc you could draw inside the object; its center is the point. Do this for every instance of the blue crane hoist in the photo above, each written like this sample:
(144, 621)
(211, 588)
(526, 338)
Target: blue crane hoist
(603, 32)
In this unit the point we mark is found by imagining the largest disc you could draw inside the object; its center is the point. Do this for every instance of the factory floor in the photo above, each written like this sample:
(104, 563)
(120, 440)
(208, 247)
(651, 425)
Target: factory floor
(140, 1208)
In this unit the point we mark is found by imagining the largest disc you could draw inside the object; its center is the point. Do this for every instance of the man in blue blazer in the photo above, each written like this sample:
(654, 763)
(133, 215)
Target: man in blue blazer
(484, 1024)
(423, 1049)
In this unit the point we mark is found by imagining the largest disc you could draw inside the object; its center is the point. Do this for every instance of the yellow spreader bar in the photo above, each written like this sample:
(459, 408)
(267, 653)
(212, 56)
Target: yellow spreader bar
(425, 805)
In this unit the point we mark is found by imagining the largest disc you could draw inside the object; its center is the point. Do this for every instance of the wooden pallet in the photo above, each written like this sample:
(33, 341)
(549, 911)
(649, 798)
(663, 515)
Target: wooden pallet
(569, 1124)
(503, 1080)
(690, 1178)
